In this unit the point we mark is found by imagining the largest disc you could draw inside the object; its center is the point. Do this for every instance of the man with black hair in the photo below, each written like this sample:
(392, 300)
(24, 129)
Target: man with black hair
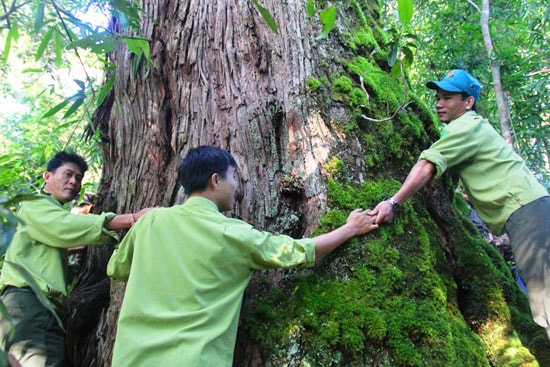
(182, 300)
(36, 262)
(506, 196)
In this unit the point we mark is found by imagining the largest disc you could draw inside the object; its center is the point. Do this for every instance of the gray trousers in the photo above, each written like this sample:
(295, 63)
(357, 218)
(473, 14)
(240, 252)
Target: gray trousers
(529, 231)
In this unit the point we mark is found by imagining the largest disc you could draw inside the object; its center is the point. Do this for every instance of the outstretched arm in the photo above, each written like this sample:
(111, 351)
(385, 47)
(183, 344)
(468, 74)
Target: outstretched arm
(123, 221)
(421, 173)
(358, 223)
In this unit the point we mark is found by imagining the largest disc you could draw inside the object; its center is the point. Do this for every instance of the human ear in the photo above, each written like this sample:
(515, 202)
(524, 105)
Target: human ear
(214, 180)
(470, 102)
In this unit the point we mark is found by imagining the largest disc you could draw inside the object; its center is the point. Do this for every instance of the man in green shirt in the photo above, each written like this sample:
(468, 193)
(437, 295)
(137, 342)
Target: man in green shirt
(183, 297)
(497, 181)
(32, 334)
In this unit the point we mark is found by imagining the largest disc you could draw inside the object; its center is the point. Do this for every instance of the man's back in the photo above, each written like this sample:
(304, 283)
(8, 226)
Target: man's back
(189, 268)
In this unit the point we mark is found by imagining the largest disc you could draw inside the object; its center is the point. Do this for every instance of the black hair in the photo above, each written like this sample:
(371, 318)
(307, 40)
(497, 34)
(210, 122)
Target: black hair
(63, 157)
(200, 164)
(466, 95)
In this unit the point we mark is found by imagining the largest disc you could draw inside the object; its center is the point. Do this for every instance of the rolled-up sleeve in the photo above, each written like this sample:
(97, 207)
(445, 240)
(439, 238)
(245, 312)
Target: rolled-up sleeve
(456, 145)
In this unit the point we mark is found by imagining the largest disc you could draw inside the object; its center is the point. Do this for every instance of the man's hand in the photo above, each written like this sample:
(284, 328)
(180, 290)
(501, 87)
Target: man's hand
(361, 222)
(418, 177)
(383, 212)
(125, 221)
(141, 212)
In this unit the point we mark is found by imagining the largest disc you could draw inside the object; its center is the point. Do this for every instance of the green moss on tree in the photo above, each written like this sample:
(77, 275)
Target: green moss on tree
(404, 295)
(393, 292)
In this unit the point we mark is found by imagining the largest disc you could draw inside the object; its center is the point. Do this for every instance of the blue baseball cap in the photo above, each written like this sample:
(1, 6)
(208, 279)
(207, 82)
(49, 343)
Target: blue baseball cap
(458, 80)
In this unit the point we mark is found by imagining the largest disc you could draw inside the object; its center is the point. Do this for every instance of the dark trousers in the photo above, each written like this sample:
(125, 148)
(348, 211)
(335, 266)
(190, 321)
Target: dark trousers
(529, 231)
(31, 333)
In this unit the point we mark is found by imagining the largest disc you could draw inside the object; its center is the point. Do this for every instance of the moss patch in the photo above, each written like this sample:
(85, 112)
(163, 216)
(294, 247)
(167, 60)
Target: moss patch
(404, 295)
(392, 298)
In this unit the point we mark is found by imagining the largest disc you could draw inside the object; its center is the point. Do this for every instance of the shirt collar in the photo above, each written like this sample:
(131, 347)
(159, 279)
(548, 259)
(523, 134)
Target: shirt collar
(202, 202)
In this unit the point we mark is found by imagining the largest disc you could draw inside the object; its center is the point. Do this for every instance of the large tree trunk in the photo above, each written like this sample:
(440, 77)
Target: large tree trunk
(288, 107)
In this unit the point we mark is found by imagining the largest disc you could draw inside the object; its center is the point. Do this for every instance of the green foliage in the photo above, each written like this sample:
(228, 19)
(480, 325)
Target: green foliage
(140, 47)
(8, 221)
(59, 38)
(519, 31)
(405, 11)
(402, 42)
(13, 35)
(313, 84)
(8, 224)
(267, 16)
(328, 17)
(52, 72)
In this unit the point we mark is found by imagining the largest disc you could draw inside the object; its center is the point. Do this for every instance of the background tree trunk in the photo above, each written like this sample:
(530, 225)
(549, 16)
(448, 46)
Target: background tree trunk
(288, 107)
(502, 105)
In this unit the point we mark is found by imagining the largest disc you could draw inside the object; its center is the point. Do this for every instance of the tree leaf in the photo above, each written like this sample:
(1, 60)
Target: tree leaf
(126, 12)
(58, 49)
(396, 71)
(13, 34)
(409, 57)
(392, 57)
(43, 44)
(105, 89)
(310, 8)
(56, 108)
(99, 43)
(405, 10)
(267, 17)
(328, 18)
(7, 48)
(8, 225)
(33, 70)
(80, 83)
(135, 45)
(140, 47)
(39, 17)
(77, 103)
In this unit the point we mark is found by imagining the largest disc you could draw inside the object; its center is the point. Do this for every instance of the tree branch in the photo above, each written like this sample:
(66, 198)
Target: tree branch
(8, 12)
(401, 106)
(474, 5)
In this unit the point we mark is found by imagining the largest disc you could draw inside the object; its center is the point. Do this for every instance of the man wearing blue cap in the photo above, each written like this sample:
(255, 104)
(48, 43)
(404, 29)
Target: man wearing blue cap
(497, 181)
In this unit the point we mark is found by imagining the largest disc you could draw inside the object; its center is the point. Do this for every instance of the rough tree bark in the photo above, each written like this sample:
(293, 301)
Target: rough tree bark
(219, 76)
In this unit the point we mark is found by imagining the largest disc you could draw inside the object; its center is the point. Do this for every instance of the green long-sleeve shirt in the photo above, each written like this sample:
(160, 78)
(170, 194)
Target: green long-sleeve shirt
(495, 178)
(187, 268)
(39, 245)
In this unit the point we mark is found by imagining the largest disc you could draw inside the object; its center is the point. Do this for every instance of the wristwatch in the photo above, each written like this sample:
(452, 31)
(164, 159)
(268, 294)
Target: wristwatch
(396, 206)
